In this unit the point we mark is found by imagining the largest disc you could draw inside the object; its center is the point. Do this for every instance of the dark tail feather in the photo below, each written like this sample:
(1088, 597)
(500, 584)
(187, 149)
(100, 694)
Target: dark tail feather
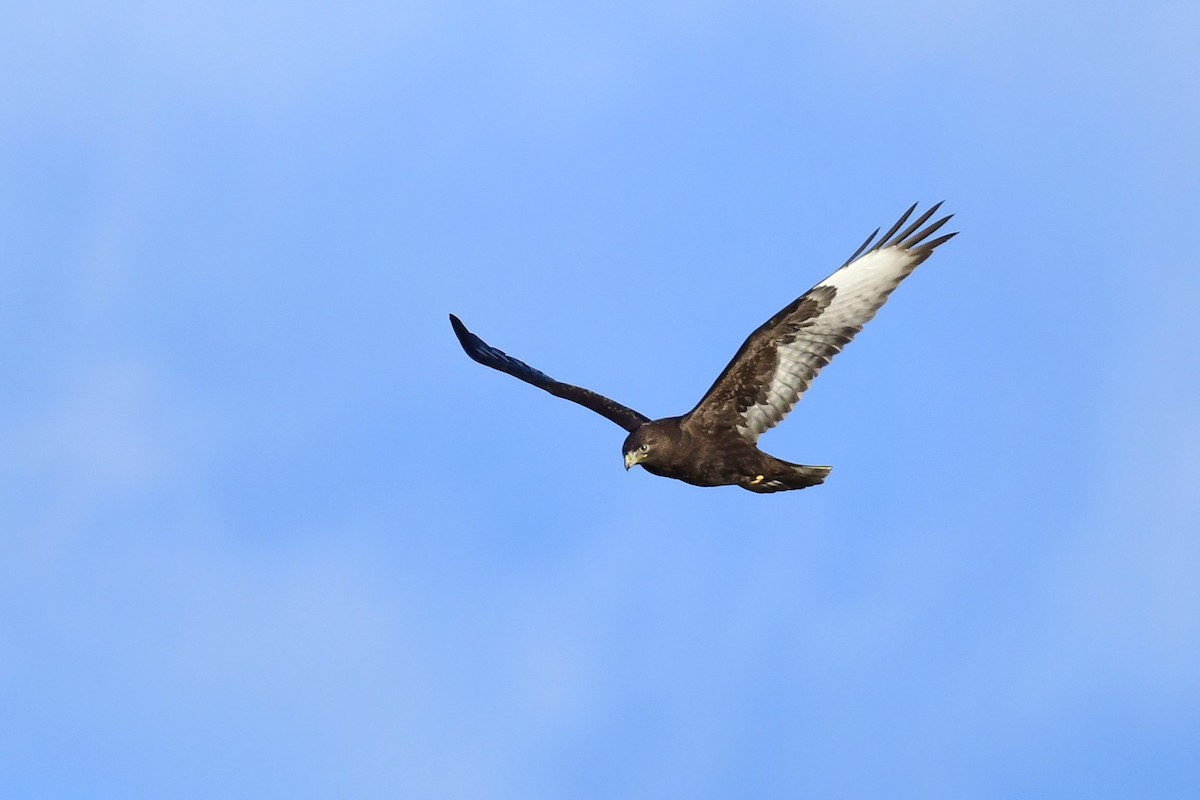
(789, 476)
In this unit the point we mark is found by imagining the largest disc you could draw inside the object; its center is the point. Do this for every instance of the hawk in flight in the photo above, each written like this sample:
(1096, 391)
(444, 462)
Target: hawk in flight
(715, 444)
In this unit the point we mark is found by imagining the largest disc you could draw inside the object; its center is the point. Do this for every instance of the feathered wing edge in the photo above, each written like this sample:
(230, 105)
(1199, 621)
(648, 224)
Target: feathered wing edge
(489, 356)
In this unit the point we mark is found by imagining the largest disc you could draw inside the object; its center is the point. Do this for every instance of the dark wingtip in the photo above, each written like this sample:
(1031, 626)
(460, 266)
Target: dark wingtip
(460, 330)
(940, 240)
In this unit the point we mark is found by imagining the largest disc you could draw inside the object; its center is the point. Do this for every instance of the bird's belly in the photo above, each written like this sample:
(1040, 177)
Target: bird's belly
(698, 473)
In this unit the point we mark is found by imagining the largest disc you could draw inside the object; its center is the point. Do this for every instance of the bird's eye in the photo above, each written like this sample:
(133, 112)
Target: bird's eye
(645, 448)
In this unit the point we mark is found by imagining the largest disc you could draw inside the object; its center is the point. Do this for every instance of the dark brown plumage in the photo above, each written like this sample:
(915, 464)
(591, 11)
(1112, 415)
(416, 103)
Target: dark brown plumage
(715, 444)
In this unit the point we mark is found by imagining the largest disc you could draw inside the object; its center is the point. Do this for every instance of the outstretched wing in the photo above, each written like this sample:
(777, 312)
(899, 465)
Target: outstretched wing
(775, 366)
(489, 356)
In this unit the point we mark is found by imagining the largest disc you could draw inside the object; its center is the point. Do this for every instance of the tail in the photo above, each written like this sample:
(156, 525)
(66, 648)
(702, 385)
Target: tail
(788, 476)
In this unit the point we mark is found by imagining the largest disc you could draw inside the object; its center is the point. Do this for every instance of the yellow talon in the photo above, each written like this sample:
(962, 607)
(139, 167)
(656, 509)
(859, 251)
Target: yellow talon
(757, 480)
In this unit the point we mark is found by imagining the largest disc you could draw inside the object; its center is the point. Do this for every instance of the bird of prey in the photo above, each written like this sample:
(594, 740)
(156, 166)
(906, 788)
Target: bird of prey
(715, 444)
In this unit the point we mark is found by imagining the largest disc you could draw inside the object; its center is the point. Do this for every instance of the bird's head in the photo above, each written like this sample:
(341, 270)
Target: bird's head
(641, 445)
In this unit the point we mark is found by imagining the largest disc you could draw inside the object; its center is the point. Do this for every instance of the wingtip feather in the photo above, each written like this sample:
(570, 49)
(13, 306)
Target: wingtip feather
(460, 330)
(862, 248)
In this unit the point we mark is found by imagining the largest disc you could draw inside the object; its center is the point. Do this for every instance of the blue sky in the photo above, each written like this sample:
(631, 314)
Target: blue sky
(267, 532)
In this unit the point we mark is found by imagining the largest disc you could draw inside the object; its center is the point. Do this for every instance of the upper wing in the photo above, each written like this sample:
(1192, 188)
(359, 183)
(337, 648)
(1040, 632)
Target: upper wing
(775, 366)
(489, 356)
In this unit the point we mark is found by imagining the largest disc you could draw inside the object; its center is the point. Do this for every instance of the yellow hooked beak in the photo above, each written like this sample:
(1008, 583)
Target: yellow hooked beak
(633, 457)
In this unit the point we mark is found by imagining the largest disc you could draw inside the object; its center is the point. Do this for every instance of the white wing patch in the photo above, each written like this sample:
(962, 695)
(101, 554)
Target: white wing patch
(860, 288)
